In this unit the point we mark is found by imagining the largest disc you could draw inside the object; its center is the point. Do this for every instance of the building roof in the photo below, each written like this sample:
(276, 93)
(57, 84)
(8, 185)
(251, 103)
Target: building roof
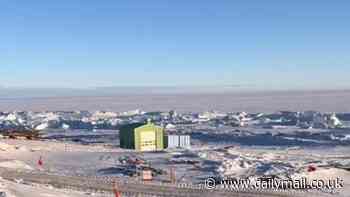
(140, 125)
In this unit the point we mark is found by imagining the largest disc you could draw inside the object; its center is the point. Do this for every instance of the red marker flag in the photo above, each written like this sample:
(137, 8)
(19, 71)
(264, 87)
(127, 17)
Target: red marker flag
(40, 162)
(116, 191)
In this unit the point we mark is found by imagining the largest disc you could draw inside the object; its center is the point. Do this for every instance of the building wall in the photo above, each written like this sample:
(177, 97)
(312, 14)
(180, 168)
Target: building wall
(127, 135)
(149, 129)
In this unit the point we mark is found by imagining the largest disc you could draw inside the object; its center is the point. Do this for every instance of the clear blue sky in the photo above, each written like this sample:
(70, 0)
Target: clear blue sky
(263, 43)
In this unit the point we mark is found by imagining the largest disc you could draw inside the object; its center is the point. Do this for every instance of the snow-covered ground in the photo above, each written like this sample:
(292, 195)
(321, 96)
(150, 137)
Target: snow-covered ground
(24, 155)
(248, 153)
(63, 158)
(17, 189)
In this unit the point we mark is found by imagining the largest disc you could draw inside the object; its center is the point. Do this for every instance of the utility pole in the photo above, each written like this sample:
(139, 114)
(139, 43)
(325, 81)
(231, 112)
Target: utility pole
(172, 175)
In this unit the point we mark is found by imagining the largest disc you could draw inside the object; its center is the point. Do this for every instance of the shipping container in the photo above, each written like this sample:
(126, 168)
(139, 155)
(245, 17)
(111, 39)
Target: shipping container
(184, 141)
(178, 141)
(173, 141)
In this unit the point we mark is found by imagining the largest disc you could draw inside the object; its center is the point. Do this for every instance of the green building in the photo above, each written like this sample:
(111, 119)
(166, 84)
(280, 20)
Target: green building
(142, 137)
